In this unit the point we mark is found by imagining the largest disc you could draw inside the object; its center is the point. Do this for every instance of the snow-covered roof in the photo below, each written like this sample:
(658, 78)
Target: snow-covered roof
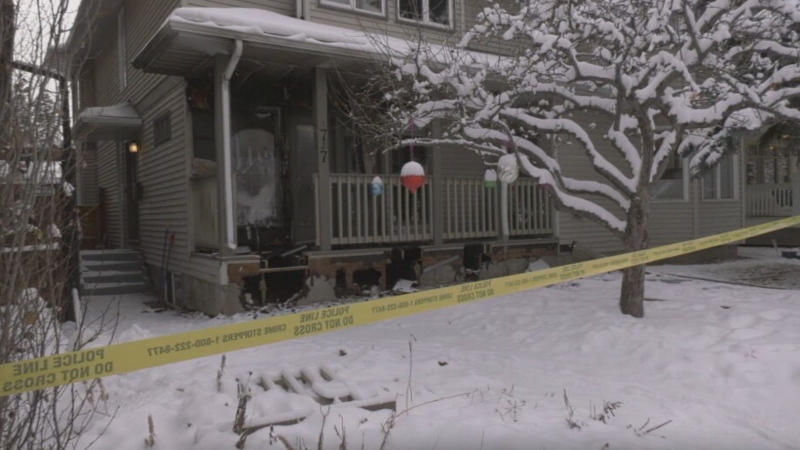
(114, 122)
(191, 35)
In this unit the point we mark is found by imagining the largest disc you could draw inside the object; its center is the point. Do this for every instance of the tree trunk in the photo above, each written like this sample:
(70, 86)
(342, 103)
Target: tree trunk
(7, 31)
(631, 300)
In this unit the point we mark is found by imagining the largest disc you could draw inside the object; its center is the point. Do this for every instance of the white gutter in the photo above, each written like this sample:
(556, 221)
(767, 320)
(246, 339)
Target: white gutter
(230, 225)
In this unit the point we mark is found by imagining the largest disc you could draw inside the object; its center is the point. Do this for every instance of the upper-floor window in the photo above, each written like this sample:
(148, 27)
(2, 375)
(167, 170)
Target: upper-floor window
(720, 181)
(122, 53)
(377, 7)
(429, 12)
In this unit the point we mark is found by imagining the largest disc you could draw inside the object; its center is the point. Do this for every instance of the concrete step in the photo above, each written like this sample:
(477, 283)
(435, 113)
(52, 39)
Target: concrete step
(114, 277)
(112, 266)
(116, 288)
(110, 255)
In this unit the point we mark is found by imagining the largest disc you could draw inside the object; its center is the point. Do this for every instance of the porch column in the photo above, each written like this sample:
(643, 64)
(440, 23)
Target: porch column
(325, 230)
(437, 188)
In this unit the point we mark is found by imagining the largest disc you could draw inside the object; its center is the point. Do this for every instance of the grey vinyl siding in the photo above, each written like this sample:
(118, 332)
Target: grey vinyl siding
(109, 178)
(494, 45)
(575, 164)
(89, 194)
(283, 7)
(671, 222)
(163, 170)
(330, 15)
(460, 163)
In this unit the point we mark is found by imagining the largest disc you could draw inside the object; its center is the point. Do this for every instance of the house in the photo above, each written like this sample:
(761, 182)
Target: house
(210, 142)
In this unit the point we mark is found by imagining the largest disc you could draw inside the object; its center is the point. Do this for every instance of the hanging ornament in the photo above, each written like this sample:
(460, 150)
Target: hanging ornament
(412, 176)
(490, 179)
(507, 168)
(377, 186)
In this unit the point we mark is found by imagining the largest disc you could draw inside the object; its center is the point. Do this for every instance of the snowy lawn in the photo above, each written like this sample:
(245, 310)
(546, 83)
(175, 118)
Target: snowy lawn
(717, 365)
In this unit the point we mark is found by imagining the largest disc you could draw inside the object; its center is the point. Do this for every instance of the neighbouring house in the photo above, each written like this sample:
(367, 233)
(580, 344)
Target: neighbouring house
(210, 144)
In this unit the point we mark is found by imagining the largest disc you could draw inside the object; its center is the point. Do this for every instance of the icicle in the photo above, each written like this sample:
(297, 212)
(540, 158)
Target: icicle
(490, 179)
(377, 186)
(508, 170)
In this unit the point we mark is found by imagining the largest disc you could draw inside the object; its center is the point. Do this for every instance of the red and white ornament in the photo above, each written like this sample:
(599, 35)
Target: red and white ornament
(412, 176)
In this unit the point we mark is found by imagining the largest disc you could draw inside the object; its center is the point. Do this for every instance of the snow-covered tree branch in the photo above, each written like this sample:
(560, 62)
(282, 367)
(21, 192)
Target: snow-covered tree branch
(636, 81)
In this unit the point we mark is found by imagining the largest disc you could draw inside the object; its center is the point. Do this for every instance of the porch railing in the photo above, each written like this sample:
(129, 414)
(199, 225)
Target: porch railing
(529, 209)
(773, 200)
(468, 210)
(359, 217)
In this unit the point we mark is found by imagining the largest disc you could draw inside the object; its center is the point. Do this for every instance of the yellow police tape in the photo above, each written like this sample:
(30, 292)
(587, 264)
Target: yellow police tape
(55, 370)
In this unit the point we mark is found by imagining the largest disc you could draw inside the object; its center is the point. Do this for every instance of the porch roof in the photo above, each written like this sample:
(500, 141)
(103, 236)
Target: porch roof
(108, 123)
(190, 37)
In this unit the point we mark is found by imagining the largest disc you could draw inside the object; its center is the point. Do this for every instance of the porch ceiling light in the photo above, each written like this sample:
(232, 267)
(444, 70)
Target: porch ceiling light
(133, 147)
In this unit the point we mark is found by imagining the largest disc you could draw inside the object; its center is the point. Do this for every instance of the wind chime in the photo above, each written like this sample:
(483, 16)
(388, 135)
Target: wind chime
(412, 175)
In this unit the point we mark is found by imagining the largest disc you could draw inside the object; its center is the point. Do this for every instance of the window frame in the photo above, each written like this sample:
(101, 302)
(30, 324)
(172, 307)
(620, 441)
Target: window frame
(425, 19)
(352, 8)
(716, 170)
(684, 178)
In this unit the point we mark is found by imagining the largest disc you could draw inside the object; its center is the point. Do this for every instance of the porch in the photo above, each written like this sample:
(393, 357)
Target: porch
(445, 209)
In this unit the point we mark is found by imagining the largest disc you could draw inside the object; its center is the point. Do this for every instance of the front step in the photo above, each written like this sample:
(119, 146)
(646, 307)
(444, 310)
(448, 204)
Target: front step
(112, 272)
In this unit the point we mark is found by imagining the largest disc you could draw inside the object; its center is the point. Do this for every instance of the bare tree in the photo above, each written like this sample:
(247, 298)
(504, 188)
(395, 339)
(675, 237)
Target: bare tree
(627, 86)
(39, 233)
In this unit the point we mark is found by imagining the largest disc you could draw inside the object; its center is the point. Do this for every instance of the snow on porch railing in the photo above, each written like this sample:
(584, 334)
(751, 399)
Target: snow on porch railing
(470, 209)
(359, 217)
(529, 209)
(771, 200)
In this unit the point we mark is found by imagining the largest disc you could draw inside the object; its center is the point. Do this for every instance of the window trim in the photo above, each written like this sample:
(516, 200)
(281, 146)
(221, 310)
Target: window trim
(426, 15)
(718, 181)
(352, 8)
(166, 117)
(685, 179)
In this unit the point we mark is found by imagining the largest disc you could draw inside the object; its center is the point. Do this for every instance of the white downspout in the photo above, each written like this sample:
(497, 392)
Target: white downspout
(230, 225)
(298, 9)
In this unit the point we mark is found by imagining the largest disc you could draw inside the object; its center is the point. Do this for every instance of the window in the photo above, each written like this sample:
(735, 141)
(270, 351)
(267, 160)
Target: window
(122, 54)
(673, 184)
(719, 182)
(162, 129)
(377, 7)
(431, 12)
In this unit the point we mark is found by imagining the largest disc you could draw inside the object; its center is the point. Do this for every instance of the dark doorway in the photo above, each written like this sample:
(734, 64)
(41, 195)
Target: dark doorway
(132, 192)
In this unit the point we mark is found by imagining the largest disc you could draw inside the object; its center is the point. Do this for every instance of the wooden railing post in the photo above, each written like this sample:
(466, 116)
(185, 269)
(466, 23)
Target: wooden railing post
(437, 190)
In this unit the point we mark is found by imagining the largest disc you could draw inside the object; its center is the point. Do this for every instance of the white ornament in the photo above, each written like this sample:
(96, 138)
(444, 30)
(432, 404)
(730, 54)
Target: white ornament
(507, 168)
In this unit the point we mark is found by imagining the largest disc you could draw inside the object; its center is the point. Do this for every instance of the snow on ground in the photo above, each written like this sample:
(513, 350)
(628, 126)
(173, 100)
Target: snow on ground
(718, 364)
